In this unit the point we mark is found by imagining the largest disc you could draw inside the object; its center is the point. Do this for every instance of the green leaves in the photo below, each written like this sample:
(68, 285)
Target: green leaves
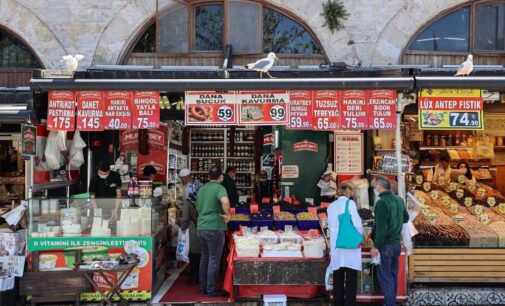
(334, 14)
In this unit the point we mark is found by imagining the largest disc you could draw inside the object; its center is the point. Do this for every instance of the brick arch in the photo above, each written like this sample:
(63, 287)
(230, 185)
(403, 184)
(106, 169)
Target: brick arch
(33, 32)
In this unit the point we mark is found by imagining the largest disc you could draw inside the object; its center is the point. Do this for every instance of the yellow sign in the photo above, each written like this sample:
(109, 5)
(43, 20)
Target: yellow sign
(419, 179)
(426, 186)
(453, 186)
(472, 187)
(434, 194)
(455, 93)
(450, 120)
(459, 219)
(468, 201)
(446, 200)
(502, 208)
(460, 193)
(454, 208)
(484, 218)
(491, 201)
(461, 179)
(481, 192)
(432, 217)
(425, 210)
(479, 210)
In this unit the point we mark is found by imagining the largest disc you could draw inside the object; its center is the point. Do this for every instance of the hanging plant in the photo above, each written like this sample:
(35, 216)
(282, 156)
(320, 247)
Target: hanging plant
(334, 14)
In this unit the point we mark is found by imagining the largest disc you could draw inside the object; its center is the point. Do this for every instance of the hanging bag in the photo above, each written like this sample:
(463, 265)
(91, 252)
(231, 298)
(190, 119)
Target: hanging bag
(348, 237)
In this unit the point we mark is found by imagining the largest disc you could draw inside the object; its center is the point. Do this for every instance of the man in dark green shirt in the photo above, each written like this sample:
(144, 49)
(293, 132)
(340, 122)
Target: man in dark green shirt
(229, 184)
(390, 215)
(213, 214)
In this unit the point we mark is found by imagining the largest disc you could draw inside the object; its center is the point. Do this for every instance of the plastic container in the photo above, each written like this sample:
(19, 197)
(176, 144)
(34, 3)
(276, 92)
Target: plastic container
(305, 225)
(275, 300)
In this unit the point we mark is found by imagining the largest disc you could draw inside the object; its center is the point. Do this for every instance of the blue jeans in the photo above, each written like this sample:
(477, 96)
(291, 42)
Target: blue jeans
(387, 272)
(211, 244)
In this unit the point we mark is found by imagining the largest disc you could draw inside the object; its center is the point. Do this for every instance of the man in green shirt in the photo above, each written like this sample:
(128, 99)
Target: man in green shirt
(213, 214)
(390, 214)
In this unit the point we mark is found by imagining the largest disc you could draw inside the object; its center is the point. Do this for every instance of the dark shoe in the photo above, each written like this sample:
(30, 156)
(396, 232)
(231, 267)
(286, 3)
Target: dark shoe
(217, 293)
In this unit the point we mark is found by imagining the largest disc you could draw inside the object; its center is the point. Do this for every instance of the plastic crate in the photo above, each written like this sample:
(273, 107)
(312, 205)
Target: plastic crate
(305, 225)
(275, 300)
(280, 224)
(235, 225)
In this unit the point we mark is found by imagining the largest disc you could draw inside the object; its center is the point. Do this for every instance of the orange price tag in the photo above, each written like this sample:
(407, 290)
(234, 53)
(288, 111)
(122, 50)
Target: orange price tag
(314, 233)
(232, 211)
(325, 204)
(254, 209)
(276, 209)
(313, 210)
(322, 216)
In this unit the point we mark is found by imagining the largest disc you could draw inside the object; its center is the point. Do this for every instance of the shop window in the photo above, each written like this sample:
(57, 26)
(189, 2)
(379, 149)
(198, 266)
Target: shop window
(283, 35)
(490, 27)
(174, 30)
(244, 27)
(147, 42)
(14, 53)
(209, 27)
(449, 34)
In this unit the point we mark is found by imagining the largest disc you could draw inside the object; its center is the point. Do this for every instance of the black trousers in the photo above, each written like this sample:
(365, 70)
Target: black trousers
(194, 272)
(345, 283)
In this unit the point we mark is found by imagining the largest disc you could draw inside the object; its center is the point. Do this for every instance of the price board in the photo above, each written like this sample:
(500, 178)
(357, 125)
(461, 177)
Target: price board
(90, 111)
(118, 110)
(146, 110)
(353, 110)
(326, 110)
(210, 108)
(447, 109)
(300, 110)
(263, 107)
(348, 154)
(61, 111)
(382, 109)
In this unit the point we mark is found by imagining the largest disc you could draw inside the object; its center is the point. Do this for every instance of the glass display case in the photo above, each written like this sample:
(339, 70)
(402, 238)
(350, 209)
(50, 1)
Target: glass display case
(95, 217)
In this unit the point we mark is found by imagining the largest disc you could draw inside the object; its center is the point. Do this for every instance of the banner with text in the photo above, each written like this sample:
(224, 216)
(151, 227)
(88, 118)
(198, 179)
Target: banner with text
(146, 110)
(61, 111)
(89, 111)
(382, 109)
(210, 108)
(353, 110)
(326, 110)
(263, 107)
(118, 110)
(448, 109)
(300, 110)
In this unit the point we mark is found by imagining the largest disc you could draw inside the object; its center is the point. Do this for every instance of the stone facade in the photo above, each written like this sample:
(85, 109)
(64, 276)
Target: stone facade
(376, 31)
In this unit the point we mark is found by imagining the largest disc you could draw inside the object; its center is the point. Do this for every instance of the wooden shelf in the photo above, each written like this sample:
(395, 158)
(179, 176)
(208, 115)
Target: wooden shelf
(445, 148)
(247, 157)
(208, 142)
(208, 157)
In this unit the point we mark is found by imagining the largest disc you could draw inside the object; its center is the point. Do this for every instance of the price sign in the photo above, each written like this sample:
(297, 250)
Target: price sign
(300, 110)
(353, 112)
(276, 209)
(210, 108)
(90, 111)
(61, 111)
(348, 154)
(263, 108)
(326, 110)
(146, 110)
(118, 110)
(382, 109)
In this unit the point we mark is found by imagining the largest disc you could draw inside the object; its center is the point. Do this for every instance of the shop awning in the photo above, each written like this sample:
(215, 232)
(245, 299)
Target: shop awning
(14, 104)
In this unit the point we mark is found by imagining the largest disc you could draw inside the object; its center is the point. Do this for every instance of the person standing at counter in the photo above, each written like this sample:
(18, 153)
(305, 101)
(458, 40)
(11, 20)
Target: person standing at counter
(328, 186)
(345, 262)
(213, 208)
(442, 172)
(149, 172)
(230, 185)
(263, 188)
(467, 172)
(106, 184)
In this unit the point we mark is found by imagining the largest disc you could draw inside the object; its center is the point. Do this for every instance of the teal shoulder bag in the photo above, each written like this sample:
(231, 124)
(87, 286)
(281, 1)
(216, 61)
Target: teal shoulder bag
(348, 236)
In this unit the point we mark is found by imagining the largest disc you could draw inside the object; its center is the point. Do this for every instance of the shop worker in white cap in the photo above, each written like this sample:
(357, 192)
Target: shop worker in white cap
(328, 185)
(190, 184)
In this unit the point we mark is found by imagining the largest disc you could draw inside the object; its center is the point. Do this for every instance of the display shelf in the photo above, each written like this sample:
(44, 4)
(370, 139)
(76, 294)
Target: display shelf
(53, 185)
(245, 187)
(212, 142)
(237, 157)
(385, 150)
(244, 142)
(445, 148)
(209, 157)
(473, 163)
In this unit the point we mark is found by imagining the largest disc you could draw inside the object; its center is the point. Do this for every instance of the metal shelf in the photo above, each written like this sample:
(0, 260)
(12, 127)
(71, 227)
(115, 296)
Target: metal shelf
(209, 157)
(247, 157)
(53, 185)
(209, 142)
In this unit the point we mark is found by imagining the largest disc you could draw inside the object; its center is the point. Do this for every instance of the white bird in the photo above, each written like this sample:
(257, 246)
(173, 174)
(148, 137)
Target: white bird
(263, 65)
(466, 67)
(72, 62)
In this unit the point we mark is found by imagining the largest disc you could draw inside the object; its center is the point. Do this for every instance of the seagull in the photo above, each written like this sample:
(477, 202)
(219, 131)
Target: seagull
(466, 67)
(263, 65)
(72, 61)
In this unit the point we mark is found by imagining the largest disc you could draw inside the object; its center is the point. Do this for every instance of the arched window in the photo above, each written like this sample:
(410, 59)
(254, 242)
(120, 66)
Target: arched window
(476, 28)
(14, 53)
(250, 27)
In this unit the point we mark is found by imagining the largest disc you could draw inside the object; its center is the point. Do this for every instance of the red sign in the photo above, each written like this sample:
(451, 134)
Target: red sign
(300, 110)
(157, 139)
(326, 110)
(382, 109)
(305, 146)
(157, 159)
(89, 111)
(353, 112)
(263, 108)
(118, 110)
(268, 139)
(210, 108)
(61, 111)
(146, 110)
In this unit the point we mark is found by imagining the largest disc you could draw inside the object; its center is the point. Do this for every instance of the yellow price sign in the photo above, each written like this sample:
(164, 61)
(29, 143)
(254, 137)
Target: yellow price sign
(484, 218)
(453, 186)
(461, 179)
(454, 93)
(472, 187)
(419, 179)
(501, 207)
(491, 201)
(468, 202)
(454, 208)
(427, 186)
(434, 195)
(459, 219)
(460, 193)
(446, 200)
(481, 192)
(479, 210)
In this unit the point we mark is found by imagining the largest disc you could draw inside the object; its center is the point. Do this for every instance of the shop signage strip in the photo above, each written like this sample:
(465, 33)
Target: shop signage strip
(210, 108)
(90, 111)
(348, 154)
(118, 110)
(263, 107)
(300, 110)
(326, 110)
(61, 111)
(353, 110)
(146, 110)
(382, 109)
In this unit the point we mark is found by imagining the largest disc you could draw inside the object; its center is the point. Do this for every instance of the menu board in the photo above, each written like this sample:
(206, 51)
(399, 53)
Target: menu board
(210, 108)
(264, 108)
(382, 109)
(326, 110)
(89, 111)
(146, 110)
(353, 110)
(300, 110)
(118, 110)
(61, 111)
(348, 154)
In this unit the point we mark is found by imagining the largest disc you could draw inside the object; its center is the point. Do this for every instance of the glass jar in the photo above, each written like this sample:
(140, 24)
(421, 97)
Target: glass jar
(435, 142)
(450, 140)
(427, 140)
(457, 140)
(443, 141)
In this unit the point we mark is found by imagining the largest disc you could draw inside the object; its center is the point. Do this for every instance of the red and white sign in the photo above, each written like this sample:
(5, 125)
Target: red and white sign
(157, 139)
(382, 109)
(268, 139)
(326, 109)
(118, 110)
(89, 111)
(210, 108)
(353, 112)
(264, 108)
(349, 154)
(157, 159)
(305, 146)
(146, 110)
(61, 111)
(300, 110)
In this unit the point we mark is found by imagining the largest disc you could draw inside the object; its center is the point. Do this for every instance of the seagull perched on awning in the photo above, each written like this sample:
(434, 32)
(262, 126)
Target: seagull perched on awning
(466, 67)
(72, 62)
(263, 65)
